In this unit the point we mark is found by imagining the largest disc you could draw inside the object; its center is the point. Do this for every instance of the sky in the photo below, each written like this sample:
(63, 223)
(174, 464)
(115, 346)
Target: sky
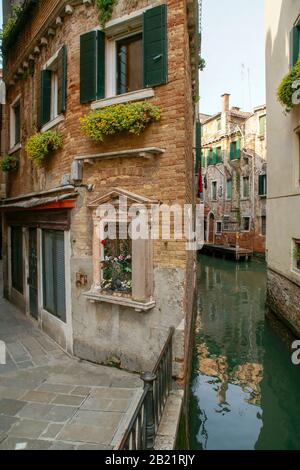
(233, 46)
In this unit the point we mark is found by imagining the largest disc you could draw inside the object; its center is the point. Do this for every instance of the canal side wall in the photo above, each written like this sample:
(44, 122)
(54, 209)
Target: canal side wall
(283, 299)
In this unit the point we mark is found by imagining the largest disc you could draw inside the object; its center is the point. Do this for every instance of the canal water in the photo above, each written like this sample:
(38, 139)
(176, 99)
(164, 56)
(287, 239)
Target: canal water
(245, 391)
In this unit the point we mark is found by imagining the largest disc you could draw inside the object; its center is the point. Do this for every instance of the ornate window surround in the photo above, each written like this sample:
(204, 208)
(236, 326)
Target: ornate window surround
(142, 257)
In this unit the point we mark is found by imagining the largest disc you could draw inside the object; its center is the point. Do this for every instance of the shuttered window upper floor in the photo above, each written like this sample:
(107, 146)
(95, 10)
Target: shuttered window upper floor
(115, 61)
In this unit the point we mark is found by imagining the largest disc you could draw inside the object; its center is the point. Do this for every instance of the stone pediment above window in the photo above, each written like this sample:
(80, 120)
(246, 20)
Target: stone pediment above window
(112, 197)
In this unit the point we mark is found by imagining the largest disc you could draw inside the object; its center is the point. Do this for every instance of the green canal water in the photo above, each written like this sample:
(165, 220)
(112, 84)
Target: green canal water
(245, 391)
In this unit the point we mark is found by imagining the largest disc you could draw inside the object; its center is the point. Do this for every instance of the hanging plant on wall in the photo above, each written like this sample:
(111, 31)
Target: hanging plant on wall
(286, 91)
(133, 118)
(11, 21)
(40, 145)
(105, 8)
(9, 163)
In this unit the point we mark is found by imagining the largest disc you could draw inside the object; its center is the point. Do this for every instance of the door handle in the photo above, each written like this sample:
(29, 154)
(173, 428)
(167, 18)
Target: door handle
(159, 56)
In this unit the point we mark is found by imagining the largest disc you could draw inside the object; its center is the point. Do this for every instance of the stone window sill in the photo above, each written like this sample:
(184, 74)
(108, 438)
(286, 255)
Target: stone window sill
(98, 297)
(53, 123)
(124, 98)
(14, 149)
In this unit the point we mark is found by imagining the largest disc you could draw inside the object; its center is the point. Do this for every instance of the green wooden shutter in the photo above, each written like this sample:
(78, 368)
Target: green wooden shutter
(294, 45)
(155, 46)
(232, 151)
(198, 147)
(88, 67)
(238, 149)
(59, 269)
(54, 292)
(262, 185)
(48, 273)
(62, 79)
(45, 98)
(100, 65)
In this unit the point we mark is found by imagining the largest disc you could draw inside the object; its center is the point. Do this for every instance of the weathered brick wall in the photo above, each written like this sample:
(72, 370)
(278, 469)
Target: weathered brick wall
(165, 178)
(169, 179)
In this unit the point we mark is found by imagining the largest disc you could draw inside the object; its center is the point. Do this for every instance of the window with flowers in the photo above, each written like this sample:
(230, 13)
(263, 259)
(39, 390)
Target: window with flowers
(117, 266)
(122, 264)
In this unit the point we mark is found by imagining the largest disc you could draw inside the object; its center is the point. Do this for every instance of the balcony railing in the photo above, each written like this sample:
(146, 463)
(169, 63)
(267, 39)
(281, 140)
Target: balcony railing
(143, 427)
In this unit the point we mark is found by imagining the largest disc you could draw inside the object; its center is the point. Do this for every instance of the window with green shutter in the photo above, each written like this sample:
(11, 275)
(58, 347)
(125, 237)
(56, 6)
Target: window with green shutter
(235, 150)
(262, 125)
(262, 185)
(17, 273)
(53, 88)
(92, 66)
(15, 123)
(155, 46)
(45, 97)
(229, 190)
(54, 292)
(294, 45)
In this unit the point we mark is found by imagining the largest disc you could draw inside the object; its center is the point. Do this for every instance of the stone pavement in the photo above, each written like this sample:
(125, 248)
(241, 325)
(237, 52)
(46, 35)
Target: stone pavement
(49, 400)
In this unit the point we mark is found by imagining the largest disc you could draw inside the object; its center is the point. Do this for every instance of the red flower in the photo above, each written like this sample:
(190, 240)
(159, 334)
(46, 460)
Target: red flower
(104, 242)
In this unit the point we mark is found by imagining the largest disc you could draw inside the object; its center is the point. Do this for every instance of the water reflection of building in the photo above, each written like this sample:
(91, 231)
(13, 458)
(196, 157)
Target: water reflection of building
(248, 376)
(231, 301)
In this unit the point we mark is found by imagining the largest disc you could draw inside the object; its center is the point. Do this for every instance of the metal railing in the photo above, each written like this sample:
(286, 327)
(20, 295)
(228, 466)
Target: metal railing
(142, 429)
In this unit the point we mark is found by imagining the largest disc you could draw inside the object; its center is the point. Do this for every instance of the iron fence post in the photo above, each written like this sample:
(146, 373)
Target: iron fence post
(148, 379)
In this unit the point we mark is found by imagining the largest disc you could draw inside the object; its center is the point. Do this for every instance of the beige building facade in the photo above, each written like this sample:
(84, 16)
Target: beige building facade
(283, 208)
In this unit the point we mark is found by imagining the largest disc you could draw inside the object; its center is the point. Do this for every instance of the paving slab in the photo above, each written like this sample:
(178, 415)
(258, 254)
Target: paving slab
(51, 431)
(19, 443)
(70, 400)
(10, 407)
(38, 396)
(28, 428)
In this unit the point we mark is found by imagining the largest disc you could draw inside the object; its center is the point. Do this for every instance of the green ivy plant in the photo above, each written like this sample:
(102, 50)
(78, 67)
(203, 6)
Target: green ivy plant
(130, 117)
(105, 8)
(11, 21)
(285, 90)
(202, 64)
(40, 145)
(9, 163)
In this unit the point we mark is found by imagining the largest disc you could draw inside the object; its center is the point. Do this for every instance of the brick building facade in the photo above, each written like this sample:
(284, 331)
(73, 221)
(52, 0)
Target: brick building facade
(50, 212)
(234, 170)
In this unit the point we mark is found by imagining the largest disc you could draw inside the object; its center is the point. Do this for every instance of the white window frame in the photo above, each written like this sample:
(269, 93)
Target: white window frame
(115, 31)
(223, 225)
(14, 146)
(246, 217)
(216, 227)
(55, 118)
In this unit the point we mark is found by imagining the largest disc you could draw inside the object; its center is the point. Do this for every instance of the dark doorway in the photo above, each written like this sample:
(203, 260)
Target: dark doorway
(33, 278)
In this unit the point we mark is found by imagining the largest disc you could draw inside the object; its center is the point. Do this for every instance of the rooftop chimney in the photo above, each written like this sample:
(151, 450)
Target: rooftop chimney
(225, 102)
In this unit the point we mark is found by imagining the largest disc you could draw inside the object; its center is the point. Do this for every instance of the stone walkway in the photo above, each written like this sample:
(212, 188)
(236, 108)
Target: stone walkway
(49, 400)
